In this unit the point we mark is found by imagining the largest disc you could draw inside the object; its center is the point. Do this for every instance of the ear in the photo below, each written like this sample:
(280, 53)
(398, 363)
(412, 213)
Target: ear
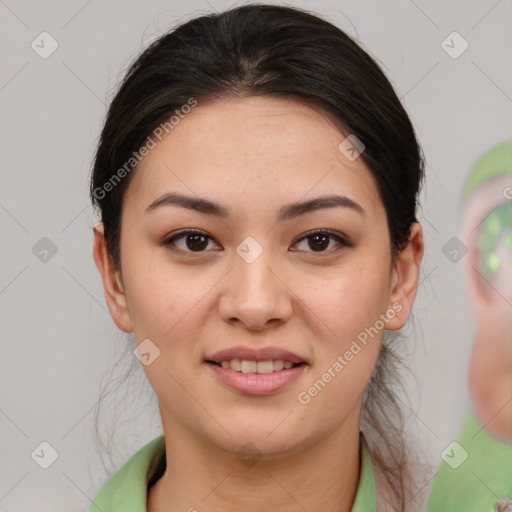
(112, 281)
(404, 277)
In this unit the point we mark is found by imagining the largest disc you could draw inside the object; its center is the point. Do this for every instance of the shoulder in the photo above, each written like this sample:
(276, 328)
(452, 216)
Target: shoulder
(475, 474)
(126, 490)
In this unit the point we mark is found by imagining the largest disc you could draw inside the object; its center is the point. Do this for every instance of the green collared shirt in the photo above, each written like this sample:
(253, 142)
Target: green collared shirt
(127, 490)
(475, 474)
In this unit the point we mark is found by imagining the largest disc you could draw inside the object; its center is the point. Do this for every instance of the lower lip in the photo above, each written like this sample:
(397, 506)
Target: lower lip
(255, 383)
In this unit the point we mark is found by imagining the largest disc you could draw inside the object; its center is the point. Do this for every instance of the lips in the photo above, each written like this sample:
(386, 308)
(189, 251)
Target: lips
(249, 371)
(251, 354)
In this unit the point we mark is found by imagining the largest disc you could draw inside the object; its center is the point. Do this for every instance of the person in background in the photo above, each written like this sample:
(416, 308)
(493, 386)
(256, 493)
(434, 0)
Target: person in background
(477, 470)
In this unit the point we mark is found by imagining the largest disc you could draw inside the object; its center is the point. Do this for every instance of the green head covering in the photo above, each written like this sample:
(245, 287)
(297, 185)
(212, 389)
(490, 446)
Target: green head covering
(495, 162)
(495, 230)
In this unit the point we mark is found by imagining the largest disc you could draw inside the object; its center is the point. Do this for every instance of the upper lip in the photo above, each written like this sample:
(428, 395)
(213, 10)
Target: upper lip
(255, 354)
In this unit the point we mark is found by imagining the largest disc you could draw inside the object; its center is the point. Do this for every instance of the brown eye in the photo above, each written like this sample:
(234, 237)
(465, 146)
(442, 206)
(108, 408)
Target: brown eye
(190, 240)
(319, 241)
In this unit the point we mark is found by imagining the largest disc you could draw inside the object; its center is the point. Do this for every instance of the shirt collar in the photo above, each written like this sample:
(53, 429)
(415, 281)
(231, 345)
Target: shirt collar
(126, 491)
(366, 496)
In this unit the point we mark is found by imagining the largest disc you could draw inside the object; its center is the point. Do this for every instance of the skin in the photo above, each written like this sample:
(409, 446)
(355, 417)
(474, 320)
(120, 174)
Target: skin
(254, 155)
(490, 369)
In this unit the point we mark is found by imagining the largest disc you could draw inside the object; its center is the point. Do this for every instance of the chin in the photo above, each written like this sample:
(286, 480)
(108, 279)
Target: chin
(255, 441)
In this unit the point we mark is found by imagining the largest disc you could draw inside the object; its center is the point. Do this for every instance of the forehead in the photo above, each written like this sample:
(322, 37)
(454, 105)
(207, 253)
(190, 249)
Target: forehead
(259, 148)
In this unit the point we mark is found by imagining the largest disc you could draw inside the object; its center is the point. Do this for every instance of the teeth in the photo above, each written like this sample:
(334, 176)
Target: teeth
(278, 365)
(261, 367)
(248, 366)
(265, 367)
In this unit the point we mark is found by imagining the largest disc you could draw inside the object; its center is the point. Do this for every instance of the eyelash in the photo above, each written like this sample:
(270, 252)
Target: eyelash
(183, 234)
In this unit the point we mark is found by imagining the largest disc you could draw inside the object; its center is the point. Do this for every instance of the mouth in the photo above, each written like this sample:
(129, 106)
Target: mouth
(255, 371)
(256, 378)
(248, 366)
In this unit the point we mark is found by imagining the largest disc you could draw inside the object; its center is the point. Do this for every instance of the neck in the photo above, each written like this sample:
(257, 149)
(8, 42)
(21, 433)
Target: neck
(201, 477)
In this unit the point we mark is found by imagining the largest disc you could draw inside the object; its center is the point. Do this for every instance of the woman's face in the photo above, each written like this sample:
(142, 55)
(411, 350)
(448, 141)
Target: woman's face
(252, 279)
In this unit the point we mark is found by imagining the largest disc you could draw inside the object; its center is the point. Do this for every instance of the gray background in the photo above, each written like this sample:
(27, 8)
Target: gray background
(58, 340)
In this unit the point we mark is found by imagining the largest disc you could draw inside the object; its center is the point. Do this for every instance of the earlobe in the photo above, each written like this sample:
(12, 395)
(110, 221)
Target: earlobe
(112, 281)
(405, 276)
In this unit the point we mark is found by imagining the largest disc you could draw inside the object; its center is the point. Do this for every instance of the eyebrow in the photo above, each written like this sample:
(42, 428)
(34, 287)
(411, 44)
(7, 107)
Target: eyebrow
(287, 212)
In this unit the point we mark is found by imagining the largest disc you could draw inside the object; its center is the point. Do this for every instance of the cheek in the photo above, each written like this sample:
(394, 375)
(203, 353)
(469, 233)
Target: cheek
(348, 301)
(346, 313)
(348, 328)
(162, 298)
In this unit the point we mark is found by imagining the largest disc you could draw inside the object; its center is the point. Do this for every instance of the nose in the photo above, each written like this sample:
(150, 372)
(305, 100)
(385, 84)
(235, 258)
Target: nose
(256, 294)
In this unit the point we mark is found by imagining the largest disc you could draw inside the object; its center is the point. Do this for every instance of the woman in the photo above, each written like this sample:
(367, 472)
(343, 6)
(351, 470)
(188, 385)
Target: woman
(257, 182)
